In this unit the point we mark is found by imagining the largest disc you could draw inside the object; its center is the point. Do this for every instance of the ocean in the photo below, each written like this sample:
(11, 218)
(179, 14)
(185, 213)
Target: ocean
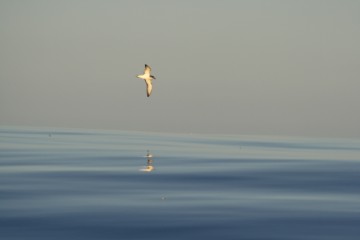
(92, 184)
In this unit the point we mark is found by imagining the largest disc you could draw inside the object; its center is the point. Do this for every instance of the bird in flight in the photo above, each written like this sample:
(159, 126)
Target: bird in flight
(148, 78)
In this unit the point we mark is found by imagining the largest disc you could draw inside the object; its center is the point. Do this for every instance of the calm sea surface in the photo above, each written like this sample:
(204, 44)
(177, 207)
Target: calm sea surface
(77, 184)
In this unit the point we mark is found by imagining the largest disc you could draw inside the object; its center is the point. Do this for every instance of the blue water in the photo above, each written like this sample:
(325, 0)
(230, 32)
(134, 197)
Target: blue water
(77, 184)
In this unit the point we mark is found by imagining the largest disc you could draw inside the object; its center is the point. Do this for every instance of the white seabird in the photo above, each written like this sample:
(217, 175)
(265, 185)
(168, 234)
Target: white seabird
(149, 155)
(148, 78)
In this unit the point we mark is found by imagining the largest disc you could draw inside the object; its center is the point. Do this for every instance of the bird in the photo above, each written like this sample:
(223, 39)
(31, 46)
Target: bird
(149, 155)
(148, 79)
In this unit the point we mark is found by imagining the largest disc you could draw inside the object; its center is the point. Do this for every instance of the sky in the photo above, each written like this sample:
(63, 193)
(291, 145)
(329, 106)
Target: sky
(258, 67)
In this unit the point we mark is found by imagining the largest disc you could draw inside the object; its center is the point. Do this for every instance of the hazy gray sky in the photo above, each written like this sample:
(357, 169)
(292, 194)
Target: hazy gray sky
(283, 67)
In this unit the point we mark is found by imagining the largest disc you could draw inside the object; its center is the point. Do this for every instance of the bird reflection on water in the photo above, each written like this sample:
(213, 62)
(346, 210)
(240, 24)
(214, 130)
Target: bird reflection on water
(149, 163)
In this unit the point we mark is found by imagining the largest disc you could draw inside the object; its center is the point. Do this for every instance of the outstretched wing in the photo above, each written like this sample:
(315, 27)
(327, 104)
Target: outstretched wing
(147, 69)
(148, 87)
